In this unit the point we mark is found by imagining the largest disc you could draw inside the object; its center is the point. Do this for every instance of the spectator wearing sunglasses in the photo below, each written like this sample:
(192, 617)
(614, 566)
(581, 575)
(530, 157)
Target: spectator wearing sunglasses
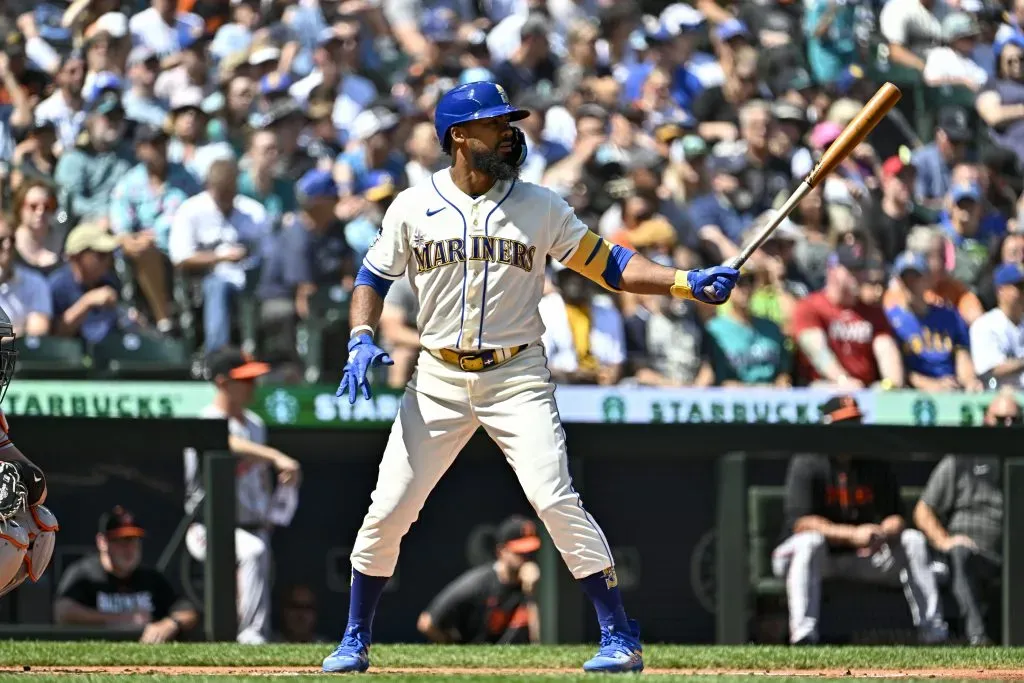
(961, 513)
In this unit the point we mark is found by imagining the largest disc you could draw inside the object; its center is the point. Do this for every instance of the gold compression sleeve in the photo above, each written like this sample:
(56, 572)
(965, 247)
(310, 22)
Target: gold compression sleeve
(591, 260)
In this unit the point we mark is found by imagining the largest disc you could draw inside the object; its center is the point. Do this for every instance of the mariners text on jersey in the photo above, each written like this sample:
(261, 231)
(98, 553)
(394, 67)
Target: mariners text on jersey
(491, 249)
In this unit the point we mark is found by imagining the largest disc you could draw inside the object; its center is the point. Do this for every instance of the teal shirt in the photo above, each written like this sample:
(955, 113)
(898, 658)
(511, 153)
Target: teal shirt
(135, 206)
(278, 202)
(86, 180)
(752, 355)
(830, 54)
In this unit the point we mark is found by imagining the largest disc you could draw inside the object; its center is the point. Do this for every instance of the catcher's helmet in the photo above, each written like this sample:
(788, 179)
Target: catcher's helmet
(8, 354)
(470, 102)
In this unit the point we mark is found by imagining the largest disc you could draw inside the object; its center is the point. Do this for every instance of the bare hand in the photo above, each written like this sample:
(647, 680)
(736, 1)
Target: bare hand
(27, 24)
(529, 575)
(5, 64)
(102, 297)
(867, 535)
(953, 541)
(349, 207)
(289, 471)
(232, 253)
(159, 631)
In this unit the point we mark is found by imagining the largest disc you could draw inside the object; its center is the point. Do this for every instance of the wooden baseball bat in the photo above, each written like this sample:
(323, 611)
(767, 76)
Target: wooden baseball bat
(854, 133)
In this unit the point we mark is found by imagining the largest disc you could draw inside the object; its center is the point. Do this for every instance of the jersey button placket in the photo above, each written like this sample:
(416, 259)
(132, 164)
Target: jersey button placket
(474, 281)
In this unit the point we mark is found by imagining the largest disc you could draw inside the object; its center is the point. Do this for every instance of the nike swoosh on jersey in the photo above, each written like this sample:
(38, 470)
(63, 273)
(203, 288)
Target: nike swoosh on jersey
(431, 212)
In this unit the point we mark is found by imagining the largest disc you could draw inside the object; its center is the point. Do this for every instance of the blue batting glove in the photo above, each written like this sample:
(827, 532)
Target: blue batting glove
(721, 279)
(363, 354)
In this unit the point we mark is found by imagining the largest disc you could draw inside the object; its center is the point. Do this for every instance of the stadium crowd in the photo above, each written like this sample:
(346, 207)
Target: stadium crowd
(212, 172)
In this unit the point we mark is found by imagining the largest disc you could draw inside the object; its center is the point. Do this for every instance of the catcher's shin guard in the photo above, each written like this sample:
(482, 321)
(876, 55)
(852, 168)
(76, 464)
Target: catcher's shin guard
(14, 542)
(42, 529)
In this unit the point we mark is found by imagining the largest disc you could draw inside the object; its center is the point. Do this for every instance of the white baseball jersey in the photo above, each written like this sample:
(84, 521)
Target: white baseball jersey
(475, 264)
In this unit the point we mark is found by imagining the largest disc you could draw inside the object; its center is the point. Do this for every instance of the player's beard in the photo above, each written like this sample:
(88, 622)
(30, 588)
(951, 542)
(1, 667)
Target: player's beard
(495, 164)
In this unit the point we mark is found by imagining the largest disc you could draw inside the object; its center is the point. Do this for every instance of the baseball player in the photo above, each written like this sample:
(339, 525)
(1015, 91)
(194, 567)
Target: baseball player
(474, 241)
(27, 528)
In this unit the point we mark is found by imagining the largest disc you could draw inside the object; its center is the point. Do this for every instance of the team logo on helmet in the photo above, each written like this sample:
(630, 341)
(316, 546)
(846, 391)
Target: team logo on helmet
(501, 93)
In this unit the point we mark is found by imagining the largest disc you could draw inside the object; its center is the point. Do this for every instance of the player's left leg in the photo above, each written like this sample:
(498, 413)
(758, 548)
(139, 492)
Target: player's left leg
(516, 405)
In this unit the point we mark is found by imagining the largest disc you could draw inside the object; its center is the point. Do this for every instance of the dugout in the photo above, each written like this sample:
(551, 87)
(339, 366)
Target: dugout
(672, 498)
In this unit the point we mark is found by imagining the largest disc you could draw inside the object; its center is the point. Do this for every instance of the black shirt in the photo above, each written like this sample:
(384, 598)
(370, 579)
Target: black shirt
(854, 492)
(88, 584)
(480, 607)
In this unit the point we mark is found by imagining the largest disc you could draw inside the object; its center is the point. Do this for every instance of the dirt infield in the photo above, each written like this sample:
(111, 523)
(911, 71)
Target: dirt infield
(947, 673)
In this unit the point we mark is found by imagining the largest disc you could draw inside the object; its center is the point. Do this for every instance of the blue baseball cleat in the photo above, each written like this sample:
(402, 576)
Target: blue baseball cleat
(351, 655)
(619, 652)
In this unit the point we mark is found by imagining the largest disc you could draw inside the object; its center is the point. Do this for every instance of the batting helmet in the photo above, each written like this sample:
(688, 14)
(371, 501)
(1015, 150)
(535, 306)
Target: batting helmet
(471, 102)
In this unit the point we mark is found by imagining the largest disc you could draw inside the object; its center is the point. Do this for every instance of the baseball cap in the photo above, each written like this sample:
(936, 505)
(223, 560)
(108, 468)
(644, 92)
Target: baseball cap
(89, 237)
(317, 184)
(275, 83)
(141, 54)
(679, 17)
(787, 111)
(378, 185)
(844, 110)
(841, 409)
(438, 25)
(147, 132)
(959, 25)
(895, 165)
(105, 103)
(909, 260)
(369, 122)
(234, 363)
(264, 55)
(114, 24)
(102, 82)
(954, 122)
(1008, 274)
(732, 28)
(825, 133)
(120, 523)
(849, 256)
(849, 78)
(1012, 38)
(519, 535)
(187, 98)
(965, 191)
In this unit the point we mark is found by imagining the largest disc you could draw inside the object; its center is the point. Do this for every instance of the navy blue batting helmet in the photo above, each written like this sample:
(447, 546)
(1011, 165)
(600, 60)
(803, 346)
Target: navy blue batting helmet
(470, 102)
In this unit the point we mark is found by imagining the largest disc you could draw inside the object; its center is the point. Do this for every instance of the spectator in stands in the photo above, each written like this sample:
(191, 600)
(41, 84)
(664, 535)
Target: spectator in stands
(113, 589)
(893, 213)
(710, 209)
(298, 616)
(398, 332)
(143, 206)
(34, 207)
(842, 341)
(667, 345)
(943, 288)
(747, 350)
(935, 161)
(997, 337)
(584, 337)
(494, 602)
(379, 190)
(261, 181)
(1001, 102)
(1009, 249)
(88, 173)
(718, 108)
(842, 520)
(24, 293)
(831, 43)
(308, 254)
(163, 29)
(234, 376)
(189, 144)
(140, 101)
(218, 235)
(65, 108)
(969, 246)
(953, 66)
(85, 290)
(933, 337)
(961, 513)
(423, 153)
(912, 30)
(373, 129)
(34, 158)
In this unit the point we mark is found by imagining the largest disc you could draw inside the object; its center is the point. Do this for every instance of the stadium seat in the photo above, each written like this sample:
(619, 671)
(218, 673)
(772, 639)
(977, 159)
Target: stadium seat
(51, 357)
(139, 356)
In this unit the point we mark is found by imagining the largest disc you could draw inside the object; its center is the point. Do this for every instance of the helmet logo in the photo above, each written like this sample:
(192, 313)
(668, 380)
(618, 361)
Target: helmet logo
(501, 93)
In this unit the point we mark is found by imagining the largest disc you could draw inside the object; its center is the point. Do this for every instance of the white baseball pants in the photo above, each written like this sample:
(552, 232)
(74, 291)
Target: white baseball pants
(252, 550)
(441, 409)
(804, 560)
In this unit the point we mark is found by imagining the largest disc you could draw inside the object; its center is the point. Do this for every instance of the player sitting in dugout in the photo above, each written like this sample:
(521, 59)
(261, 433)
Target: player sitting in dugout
(491, 603)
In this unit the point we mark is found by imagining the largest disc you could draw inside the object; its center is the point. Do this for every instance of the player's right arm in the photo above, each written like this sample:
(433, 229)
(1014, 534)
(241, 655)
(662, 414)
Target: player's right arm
(384, 263)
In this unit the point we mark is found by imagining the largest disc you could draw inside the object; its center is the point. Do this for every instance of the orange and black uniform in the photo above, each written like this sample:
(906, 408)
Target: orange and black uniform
(481, 609)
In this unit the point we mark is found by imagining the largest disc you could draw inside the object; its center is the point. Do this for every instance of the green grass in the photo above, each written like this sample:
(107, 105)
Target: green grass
(524, 663)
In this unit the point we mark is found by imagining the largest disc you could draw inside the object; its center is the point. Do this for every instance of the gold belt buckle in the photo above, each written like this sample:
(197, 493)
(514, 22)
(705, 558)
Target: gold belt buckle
(471, 363)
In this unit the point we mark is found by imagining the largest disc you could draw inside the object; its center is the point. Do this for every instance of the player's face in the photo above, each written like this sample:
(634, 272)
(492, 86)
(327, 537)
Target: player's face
(240, 391)
(489, 143)
(125, 554)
